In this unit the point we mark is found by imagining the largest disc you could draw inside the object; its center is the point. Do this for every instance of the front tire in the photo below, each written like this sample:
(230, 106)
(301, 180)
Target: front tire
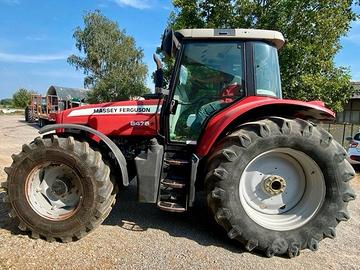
(29, 116)
(26, 114)
(279, 185)
(59, 189)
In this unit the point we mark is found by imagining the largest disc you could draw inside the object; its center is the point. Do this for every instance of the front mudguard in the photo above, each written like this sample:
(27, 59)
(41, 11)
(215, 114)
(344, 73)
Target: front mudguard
(112, 146)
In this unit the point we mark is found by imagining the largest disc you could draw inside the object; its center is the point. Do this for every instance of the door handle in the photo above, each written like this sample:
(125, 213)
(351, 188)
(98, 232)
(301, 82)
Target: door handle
(173, 105)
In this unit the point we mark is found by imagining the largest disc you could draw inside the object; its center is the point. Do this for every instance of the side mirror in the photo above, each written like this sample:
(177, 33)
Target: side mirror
(167, 42)
(349, 139)
(158, 75)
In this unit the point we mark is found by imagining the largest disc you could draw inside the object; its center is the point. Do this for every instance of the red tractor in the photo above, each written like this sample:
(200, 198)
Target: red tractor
(274, 180)
(32, 110)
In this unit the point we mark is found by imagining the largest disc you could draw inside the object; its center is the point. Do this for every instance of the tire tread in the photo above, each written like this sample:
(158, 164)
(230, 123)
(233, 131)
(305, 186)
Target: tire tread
(93, 159)
(230, 149)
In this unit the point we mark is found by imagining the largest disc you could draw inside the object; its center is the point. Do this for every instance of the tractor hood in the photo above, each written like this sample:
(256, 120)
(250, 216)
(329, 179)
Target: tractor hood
(123, 118)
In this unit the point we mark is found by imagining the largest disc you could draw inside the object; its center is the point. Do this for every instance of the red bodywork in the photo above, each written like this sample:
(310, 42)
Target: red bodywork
(314, 111)
(141, 118)
(123, 118)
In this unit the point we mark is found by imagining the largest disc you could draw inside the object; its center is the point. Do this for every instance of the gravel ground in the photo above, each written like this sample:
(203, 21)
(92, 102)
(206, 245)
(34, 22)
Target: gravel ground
(139, 236)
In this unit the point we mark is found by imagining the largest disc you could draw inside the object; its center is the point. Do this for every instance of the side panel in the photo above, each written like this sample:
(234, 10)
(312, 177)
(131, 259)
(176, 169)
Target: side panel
(261, 106)
(123, 118)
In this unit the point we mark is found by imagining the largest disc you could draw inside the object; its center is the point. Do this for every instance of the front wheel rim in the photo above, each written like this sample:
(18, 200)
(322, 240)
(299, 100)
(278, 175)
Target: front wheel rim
(53, 190)
(282, 189)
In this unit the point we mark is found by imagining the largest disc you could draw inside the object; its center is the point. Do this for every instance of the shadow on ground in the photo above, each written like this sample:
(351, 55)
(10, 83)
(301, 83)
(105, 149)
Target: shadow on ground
(33, 124)
(196, 224)
(5, 221)
(128, 214)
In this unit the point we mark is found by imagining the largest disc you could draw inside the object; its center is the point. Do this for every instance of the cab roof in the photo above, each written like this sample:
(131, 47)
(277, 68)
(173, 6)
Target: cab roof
(273, 37)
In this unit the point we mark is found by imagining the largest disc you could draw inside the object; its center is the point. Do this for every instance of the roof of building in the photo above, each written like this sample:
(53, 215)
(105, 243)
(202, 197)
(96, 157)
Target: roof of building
(356, 84)
(66, 93)
(274, 37)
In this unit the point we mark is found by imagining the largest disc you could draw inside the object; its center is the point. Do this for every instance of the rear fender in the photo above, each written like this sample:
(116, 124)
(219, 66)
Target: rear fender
(112, 146)
(252, 108)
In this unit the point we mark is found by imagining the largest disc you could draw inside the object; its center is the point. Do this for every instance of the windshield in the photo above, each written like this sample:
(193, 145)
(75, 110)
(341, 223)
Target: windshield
(267, 73)
(210, 78)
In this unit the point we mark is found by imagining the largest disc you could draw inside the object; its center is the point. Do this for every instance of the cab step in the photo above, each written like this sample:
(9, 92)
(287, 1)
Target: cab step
(173, 183)
(171, 207)
(173, 192)
(177, 162)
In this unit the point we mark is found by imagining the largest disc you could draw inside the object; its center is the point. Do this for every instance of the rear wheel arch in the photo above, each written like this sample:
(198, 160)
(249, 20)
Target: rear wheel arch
(302, 111)
(285, 111)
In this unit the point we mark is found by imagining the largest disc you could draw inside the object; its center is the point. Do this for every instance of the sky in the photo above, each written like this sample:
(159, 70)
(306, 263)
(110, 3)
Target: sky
(36, 39)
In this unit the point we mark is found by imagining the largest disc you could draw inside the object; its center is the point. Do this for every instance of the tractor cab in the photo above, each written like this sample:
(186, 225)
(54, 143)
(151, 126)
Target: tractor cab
(214, 69)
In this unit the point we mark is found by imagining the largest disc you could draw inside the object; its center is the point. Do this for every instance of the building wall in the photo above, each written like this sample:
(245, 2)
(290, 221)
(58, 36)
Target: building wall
(351, 113)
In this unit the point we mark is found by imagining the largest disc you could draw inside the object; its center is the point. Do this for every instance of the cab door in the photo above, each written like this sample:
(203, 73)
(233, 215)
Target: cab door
(210, 77)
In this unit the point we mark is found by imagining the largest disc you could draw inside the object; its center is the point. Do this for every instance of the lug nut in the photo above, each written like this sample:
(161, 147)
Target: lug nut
(274, 185)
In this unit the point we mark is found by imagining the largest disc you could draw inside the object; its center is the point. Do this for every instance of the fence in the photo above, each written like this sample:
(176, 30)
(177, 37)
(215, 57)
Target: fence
(341, 131)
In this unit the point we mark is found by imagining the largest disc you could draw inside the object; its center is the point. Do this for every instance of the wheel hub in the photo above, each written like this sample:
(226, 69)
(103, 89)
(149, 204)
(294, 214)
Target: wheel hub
(59, 188)
(282, 189)
(274, 185)
(53, 190)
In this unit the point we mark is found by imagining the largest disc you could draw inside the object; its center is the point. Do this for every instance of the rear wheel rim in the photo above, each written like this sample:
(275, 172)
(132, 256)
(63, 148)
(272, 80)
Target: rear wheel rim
(282, 189)
(53, 190)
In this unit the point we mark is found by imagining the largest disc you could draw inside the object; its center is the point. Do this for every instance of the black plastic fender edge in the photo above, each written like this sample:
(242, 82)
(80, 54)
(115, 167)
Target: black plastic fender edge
(113, 147)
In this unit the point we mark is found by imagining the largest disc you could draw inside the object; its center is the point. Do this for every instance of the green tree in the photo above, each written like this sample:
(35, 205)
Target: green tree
(21, 98)
(312, 29)
(6, 102)
(111, 62)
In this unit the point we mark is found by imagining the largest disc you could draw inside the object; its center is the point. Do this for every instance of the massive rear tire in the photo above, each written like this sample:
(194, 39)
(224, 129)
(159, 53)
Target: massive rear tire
(279, 185)
(59, 189)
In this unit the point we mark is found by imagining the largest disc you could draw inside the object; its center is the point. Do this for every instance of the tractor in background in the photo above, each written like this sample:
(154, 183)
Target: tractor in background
(43, 109)
(32, 110)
